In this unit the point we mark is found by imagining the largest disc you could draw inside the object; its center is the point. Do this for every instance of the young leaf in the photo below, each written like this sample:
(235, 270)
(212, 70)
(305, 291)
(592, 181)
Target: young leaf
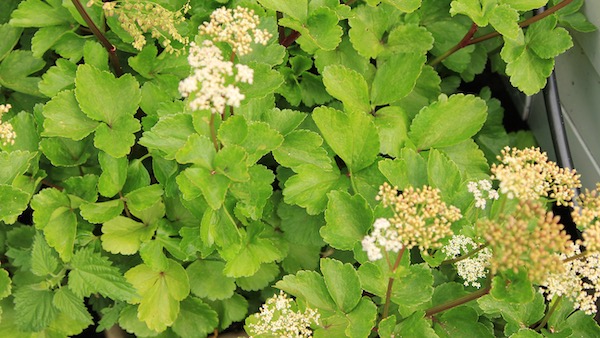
(44, 260)
(401, 69)
(91, 273)
(448, 121)
(66, 301)
(124, 235)
(353, 136)
(342, 282)
(253, 195)
(159, 293)
(348, 86)
(34, 308)
(348, 220)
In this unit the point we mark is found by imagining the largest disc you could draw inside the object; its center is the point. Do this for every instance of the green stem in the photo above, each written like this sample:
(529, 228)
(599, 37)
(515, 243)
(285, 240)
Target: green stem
(463, 43)
(548, 314)
(465, 256)
(522, 24)
(112, 50)
(124, 204)
(352, 183)
(459, 301)
(388, 293)
(578, 256)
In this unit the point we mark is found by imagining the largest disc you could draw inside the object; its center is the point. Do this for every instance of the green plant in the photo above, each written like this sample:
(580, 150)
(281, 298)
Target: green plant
(165, 163)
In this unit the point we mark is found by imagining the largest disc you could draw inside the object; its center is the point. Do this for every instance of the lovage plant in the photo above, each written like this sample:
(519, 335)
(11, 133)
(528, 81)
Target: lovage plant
(284, 168)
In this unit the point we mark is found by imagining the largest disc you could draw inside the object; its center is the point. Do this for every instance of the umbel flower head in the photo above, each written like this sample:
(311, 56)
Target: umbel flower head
(279, 317)
(421, 219)
(211, 85)
(530, 239)
(528, 175)
(587, 217)
(482, 191)
(473, 268)
(237, 27)
(138, 17)
(7, 133)
(579, 281)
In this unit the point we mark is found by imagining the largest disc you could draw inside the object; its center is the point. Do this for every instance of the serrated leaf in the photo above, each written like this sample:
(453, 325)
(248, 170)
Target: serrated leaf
(546, 40)
(198, 149)
(309, 286)
(160, 293)
(409, 170)
(525, 5)
(253, 195)
(261, 279)
(194, 182)
(63, 152)
(152, 254)
(105, 98)
(218, 227)
(320, 31)
(296, 9)
(34, 309)
(5, 284)
(367, 27)
(529, 72)
(66, 301)
(505, 20)
(353, 136)
(461, 321)
(195, 319)
(58, 78)
(477, 10)
(230, 310)
(409, 38)
(37, 13)
(91, 273)
(64, 118)
(299, 227)
(402, 69)
(392, 126)
(407, 6)
(169, 134)
(218, 286)
(14, 164)
(438, 125)
(342, 282)
(516, 314)
(123, 130)
(348, 86)
(268, 78)
(348, 220)
(231, 161)
(114, 174)
(15, 70)
(43, 259)
(415, 326)
(309, 188)
(10, 38)
(144, 197)
(443, 174)
(302, 147)
(512, 287)
(124, 236)
(469, 158)
(102, 211)
(46, 37)
(413, 288)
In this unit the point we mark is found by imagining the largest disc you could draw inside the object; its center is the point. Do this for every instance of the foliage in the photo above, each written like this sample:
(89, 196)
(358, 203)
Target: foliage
(169, 164)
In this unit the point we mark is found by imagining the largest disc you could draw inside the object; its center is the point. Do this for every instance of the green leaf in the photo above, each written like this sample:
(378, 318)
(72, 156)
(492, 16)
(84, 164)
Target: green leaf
(129, 321)
(160, 293)
(63, 152)
(342, 282)
(401, 69)
(526, 333)
(525, 5)
(198, 149)
(64, 118)
(437, 125)
(105, 98)
(463, 322)
(102, 211)
(392, 126)
(218, 227)
(546, 40)
(415, 326)
(344, 55)
(409, 38)
(505, 20)
(231, 161)
(15, 70)
(123, 129)
(516, 314)
(92, 273)
(583, 325)
(413, 288)
(196, 319)
(34, 309)
(14, 164)
(124, 236)
(512, 287)
(310, 186)
(477, 10)
(367, 27)
(259, 246)
(5, 284)
(261, 279)
(10, 37)
(348, 218)
(58, 78)
(194, 182)
(407, 6)
(309, 286)
(94, 54)
(296, 9)
(469, 158)
(44, 260)
(66, 301)
(36, 13)
(443, 174)
(54, 216)
(253, 195)
(230, 310)
(348, 86)
(268, 78)
(169, 134)
(46, 37)
(257, 138)
(298, 226)
(320, 31)
(302, 147)
(145, 197)
(218, 286)
(114, 174)
(409, 170)
(353, 136)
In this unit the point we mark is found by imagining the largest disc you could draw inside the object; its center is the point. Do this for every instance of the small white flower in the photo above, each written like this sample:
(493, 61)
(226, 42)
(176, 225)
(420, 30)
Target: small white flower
(482, 191)
(472, 268)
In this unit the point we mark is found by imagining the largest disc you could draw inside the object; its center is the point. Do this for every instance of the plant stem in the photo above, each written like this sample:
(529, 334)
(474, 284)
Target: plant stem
(578, 256)
(548, 314)
(112, 50)
(522, 24)
(348, 2)
(388, 293)
(465, 256)
(213, 132)
(290, 39)
(459, 301)
(463, 43)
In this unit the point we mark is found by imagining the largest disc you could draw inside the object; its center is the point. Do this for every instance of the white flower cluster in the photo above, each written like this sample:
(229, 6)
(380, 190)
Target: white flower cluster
(278, 318)
(473, 268)
(383, 236)
(482, 191)
(578, 283)
(7, 133)
(211, 84)
(237, 27)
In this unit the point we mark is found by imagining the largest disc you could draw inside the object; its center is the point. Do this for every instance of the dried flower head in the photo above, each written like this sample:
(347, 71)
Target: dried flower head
(279, 317)
(482, 191)
(528, 174)
(578, 282)
(237, 27)
(7, 133)
(212, 82)
(472, 268)
(138, 17)
(528, 239)
(420, 219)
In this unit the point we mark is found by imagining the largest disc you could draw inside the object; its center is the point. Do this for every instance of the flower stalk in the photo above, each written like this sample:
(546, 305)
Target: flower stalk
(457, 302)
(390, 286)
